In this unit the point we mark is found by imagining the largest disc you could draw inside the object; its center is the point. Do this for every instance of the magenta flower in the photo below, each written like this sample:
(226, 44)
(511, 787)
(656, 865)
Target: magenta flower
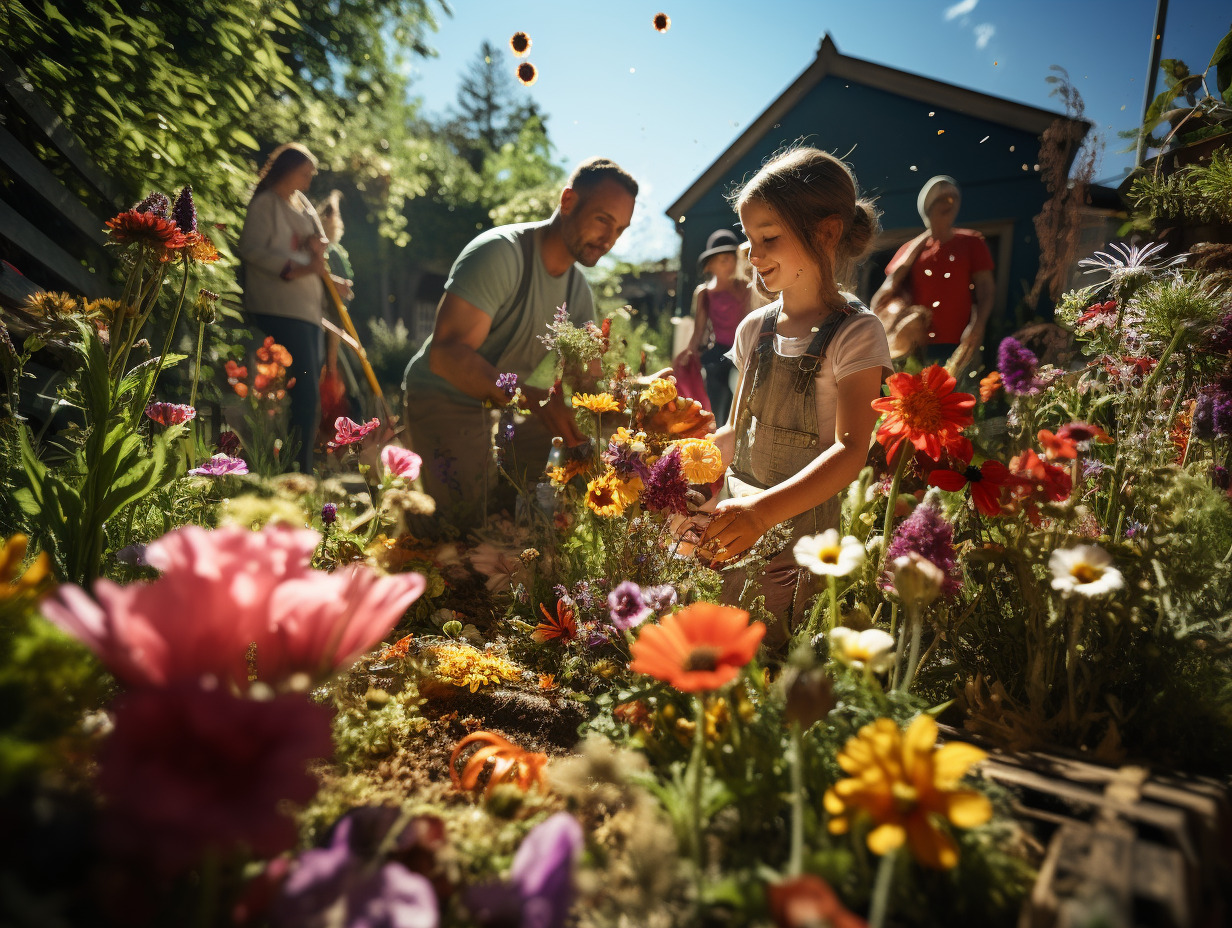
(1018, 366)
(220, 465)
(348, 432)
(170, 413)
(926, 533)
(400, 462)
(626, 606)
(229, 597)
(666, 488)
(188, 770)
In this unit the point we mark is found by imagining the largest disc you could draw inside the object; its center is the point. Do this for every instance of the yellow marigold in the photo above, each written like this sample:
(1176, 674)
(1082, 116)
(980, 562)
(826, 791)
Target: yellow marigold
(700, 460)
(908, 787)
(463, 665)
(556, 475)
(607, 495)
(15, 582)
(661, 391)
(596, 402)
(48, 303)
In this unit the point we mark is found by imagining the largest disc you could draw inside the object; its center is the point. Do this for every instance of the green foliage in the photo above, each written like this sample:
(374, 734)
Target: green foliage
(1198, 191)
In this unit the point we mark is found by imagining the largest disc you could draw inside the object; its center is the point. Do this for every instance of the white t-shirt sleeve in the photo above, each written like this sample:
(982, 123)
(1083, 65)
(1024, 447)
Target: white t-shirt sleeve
(745, 340)
(860, 344)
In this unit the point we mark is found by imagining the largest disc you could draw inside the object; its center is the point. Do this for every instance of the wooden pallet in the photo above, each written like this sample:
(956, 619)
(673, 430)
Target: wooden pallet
(1126, 847)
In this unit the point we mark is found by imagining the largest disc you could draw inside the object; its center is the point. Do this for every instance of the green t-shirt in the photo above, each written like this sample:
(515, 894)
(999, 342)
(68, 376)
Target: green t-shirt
(487, 274)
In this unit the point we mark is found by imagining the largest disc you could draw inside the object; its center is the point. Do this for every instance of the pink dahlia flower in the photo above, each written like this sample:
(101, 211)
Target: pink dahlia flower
(229, 591)
(400, 462)
(170, 413)
(220, 465)
(348, 432)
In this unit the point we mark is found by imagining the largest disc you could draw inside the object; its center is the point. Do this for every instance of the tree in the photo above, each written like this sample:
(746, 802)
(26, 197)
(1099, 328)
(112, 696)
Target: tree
(488, 114)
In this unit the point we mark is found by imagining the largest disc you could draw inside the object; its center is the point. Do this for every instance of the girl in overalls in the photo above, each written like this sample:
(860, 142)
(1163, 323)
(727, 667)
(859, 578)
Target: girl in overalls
(811, 364)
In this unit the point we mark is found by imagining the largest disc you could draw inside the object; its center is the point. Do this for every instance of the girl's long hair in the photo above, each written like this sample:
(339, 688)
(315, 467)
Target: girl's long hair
(282, 160)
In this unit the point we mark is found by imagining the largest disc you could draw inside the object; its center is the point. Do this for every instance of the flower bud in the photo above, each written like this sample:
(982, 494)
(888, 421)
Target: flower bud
(917, 580)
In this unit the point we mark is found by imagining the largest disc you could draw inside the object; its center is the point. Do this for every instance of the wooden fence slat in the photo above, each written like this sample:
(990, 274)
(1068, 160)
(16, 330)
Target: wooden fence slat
(15, 157)
(43, 250)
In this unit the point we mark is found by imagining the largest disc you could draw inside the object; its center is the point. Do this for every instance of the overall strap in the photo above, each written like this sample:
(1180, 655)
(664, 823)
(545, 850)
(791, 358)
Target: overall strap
(769, 318)
(811, 360)
(526, 238)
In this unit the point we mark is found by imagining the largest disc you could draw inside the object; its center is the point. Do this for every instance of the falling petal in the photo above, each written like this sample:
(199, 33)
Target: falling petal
(527, 74)
(662, 22)
(519, 42)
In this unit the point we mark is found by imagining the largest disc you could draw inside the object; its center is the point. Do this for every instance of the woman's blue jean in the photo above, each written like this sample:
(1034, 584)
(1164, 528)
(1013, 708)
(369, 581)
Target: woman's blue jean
(306, 342)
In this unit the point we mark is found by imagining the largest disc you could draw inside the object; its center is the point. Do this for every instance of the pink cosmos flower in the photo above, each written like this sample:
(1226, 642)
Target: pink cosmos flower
(348, 432)
(224, 592)
(220, 465)
(170, 413)
(400, 462)
(189, 769)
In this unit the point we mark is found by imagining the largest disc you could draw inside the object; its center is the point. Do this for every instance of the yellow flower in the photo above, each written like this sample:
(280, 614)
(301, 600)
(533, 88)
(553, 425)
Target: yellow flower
(596, 402)
(557, 476)
(700, 460)
(623, 436)
(462, 665)
(629, 490)
(661, 391)
(607, 495)
(14, 582)
(906, 786)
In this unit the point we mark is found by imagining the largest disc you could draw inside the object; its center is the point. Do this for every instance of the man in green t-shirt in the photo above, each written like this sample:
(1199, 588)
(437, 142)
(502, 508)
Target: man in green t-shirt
(502, 292)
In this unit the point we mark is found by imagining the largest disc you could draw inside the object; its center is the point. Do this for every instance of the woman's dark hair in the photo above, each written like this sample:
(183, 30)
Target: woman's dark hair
(282, 160)
(803, 186)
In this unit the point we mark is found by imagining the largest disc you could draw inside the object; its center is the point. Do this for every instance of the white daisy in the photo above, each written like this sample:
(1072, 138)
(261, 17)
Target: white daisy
(1086, 570)
(871, 648)
(829, 556)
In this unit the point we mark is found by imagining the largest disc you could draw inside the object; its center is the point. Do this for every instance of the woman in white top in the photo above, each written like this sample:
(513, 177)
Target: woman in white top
(283, 249)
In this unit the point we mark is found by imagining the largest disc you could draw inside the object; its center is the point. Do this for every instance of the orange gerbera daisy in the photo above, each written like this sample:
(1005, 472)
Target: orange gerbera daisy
(596, 402)
(701, 647)
(145, 228)
(901, 781)
(924, 410)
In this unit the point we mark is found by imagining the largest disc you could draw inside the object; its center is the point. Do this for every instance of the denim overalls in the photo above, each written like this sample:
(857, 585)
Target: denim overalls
(776, 438)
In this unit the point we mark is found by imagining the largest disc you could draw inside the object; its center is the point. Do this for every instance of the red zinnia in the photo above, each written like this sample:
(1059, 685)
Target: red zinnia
(701, 647)
(145, 228)
(924, 410)
(170, 413)
(987, 482)
(1037, 474)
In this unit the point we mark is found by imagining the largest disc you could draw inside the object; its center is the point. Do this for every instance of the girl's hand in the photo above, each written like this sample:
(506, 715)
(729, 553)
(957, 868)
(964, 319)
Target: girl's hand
(735, 528)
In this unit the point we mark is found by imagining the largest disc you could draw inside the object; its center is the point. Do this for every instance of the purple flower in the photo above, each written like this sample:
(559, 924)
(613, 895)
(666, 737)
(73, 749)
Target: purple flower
(1221, 339)
(508, 383)
(666, 487)
(184, 212)
(329, 513)
(582, 595)
(625, 462)
(1092, 468)
(220, 465)
(927, 534)
(540, 889)
(133, 555)
(626, 607)
(660, 598)
(1212, 415)
(156, 204)
(340, 885)
(1134, 529)
(1018, 365)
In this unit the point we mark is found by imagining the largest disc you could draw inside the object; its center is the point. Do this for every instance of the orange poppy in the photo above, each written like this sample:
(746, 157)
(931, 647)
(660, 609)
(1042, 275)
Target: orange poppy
(1036, 474)
(510, 763)
(924, 410)
(564, 626)
(701, 647)
(396, 651)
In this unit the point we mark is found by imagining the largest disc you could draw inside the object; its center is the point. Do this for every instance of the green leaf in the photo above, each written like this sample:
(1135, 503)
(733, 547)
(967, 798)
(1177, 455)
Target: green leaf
(1223, 52)
(244, 139)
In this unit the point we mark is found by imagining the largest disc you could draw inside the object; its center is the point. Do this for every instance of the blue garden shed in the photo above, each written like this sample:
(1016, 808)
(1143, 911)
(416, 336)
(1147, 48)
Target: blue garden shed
(896, 130)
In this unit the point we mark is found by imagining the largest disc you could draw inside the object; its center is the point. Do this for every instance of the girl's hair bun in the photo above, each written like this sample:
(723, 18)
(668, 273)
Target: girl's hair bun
(863, 229)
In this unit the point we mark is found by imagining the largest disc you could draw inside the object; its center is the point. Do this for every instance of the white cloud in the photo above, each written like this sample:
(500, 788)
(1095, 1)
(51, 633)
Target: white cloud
(960, 9)
(984, 33)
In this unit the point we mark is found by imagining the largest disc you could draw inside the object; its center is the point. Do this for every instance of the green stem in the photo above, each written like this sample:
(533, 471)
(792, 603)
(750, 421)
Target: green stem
(1071, 658)
(880, 904)
(916, 625)
(795, 865)
(162, 358)
(695, 796)
(904, 454)
(832, 583)
(192, 396)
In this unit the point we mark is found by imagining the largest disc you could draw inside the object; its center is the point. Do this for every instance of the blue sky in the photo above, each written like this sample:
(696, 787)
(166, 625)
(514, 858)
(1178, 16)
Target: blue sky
(665, 105)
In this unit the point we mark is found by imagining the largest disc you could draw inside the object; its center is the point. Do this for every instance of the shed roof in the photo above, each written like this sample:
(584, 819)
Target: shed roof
(830, 63)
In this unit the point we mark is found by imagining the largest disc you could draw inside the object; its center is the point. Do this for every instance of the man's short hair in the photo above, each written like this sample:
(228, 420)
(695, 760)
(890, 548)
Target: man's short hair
(593, 171)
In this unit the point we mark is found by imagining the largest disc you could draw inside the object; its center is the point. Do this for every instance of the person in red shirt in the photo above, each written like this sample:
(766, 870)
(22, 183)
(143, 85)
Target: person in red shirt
(947, 272)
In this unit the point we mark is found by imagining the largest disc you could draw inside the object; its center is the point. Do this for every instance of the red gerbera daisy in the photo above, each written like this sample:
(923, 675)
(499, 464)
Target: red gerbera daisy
(564, 626)
(701, 647)
(924, 410)
(145, 228)
(987, 482)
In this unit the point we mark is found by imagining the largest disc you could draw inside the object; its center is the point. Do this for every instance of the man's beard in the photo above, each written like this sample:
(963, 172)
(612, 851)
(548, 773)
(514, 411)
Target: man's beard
(577, 248)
